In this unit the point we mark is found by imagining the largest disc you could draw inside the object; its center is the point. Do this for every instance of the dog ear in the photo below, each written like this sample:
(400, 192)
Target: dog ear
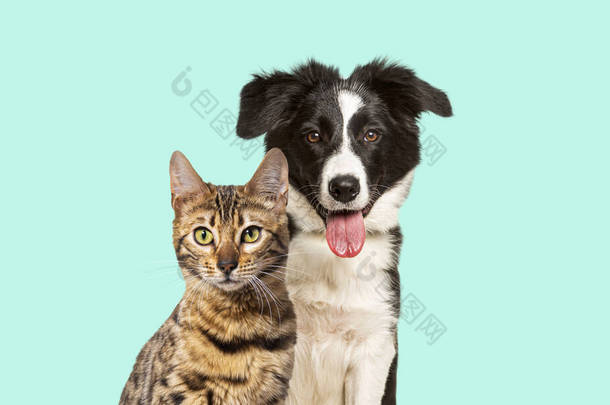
(433, 99)
(264, 101)
(270, 98)
(401, 89)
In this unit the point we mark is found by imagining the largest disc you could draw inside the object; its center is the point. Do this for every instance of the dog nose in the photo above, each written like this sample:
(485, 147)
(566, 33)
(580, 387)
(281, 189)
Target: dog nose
(344, 188)
(226, 266)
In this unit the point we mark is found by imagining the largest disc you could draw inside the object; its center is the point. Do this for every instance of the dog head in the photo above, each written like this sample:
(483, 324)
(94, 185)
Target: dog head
(351, 143)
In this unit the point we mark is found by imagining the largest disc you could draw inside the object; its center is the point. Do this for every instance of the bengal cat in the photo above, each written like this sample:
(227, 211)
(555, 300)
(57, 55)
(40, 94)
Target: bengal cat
(230, 340)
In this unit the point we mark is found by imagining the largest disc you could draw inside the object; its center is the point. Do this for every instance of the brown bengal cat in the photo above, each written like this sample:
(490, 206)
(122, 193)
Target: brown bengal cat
(230, 339)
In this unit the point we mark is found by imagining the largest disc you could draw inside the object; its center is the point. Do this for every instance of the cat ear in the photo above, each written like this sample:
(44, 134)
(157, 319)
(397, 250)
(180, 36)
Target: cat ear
(184, 180)
(271, 178)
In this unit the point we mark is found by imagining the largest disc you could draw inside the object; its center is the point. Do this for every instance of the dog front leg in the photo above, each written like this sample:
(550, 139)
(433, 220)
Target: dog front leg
(367, 374)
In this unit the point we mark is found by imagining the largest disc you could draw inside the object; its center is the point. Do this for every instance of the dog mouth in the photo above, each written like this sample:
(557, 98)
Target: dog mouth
(345, 231)
(344, 227)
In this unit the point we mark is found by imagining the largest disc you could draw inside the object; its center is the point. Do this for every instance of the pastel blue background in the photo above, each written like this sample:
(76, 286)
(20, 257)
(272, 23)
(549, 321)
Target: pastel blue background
(506, 235)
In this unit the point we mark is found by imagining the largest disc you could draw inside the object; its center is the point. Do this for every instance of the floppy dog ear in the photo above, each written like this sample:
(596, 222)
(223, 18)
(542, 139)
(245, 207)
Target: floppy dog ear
(401, 89)
(264, 101)
(270, 98)
(433, 99)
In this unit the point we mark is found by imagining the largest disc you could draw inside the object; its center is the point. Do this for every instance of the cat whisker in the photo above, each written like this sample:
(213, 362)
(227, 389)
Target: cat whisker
(273, 298)
(263, 322)
(272, 263)
(173, 260)
(258, 297)
(275, 276)
(271, 295)
(285, 269)
(257, 281)
(281, 269)
(288, 255)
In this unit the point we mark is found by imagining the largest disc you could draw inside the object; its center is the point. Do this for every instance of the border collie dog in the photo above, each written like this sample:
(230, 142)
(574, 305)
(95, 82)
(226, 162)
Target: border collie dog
(352, 145)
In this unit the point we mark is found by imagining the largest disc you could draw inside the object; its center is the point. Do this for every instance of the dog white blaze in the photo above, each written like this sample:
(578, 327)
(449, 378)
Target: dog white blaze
(345, 161)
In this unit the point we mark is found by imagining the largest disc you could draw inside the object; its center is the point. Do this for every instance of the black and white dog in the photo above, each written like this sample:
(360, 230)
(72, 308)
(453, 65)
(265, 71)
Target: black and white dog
(351, 145)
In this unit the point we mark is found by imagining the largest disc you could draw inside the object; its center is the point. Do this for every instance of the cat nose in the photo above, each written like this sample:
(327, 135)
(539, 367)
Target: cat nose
(226, 266)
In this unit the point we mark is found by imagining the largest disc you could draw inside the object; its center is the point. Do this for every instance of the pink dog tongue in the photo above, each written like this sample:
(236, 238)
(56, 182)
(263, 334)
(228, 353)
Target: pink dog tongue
(345, 233)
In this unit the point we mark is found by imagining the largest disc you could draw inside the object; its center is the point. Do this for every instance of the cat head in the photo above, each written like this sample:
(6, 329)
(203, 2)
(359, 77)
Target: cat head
(226, 236)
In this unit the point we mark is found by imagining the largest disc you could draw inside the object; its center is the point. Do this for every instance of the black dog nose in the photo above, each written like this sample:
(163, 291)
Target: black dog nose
(344, 188)
(226, 266)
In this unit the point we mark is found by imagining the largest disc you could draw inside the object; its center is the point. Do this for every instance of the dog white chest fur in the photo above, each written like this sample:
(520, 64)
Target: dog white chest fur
(345, 322)
(345, 325)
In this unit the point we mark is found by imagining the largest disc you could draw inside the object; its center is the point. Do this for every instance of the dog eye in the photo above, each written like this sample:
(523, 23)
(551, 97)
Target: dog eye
(313, 137)
(371, 136)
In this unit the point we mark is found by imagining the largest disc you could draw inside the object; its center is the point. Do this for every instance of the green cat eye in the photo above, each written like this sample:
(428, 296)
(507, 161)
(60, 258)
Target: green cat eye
(251, 234)
(203, 236)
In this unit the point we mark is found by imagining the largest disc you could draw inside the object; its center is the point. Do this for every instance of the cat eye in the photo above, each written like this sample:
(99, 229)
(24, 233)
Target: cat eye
(371, 136)
(251, 234)
(203, 236)
(313, 137)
